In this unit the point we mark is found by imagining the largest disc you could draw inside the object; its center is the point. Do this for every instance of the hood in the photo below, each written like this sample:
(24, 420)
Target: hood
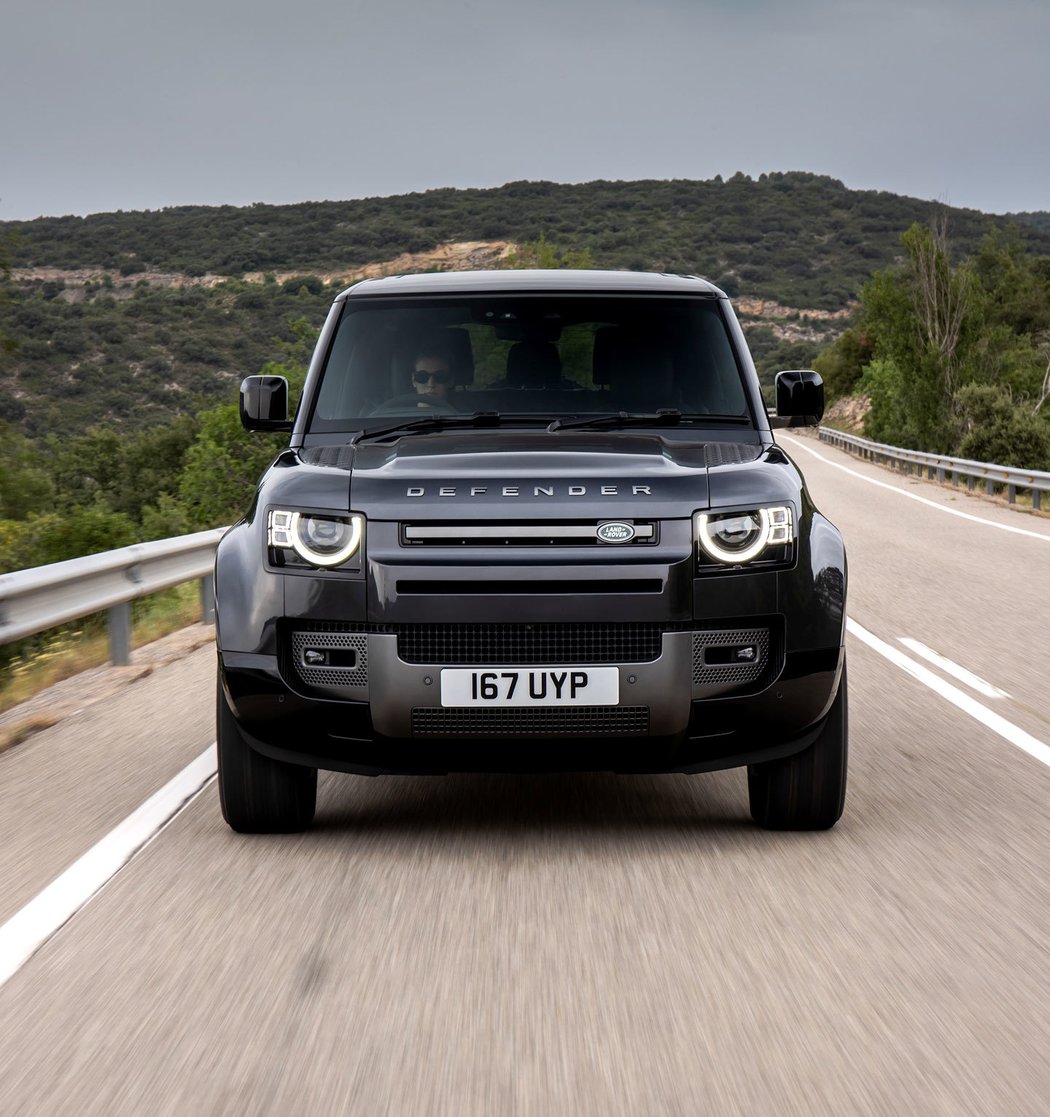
(532, 474)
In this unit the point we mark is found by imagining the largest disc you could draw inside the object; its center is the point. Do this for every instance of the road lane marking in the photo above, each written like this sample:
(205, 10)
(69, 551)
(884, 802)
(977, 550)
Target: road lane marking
(920, 499)
(950, 667)
(1006, 729)
(26, 931)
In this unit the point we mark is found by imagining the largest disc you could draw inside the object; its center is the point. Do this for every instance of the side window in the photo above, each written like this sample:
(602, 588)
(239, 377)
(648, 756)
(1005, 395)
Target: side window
(490, 356)
(576, 347)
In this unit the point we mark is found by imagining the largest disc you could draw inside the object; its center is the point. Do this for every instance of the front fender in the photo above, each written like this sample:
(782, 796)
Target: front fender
(248, 597)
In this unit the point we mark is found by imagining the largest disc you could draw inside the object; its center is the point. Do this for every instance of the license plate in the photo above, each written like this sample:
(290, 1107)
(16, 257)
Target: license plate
(530, 686)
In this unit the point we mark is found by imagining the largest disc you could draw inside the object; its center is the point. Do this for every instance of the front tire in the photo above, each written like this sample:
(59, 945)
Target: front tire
(259, 795)
(806, 791)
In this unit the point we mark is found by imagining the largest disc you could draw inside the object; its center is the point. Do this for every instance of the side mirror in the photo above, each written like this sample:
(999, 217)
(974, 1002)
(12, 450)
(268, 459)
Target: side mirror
(800, 397)
(264, 403)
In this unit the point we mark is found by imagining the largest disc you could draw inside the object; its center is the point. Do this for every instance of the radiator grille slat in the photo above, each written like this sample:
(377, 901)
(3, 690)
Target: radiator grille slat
(526, 645)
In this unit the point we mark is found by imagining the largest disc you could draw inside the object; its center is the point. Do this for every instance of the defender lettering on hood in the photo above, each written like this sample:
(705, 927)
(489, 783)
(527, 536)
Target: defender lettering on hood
(537, 490)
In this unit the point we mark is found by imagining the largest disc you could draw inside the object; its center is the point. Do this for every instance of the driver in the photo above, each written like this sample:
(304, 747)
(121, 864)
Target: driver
(432, 378)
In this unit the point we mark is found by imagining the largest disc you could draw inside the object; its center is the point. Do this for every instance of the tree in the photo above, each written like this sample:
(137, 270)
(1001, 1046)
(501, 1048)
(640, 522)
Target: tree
(57, 536)
(936, 342)
(920, 319)
(225, 462)
(7, 343)
(25, 486)
(842, 363)
(223, 467)
(940, 298)
(997, 429)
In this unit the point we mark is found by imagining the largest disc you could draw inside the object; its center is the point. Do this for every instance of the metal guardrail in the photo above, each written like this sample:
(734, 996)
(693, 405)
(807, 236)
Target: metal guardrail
(45, 596)
(942, 468)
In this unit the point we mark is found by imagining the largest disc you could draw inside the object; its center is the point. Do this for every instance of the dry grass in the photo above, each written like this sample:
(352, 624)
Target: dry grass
(70, 652)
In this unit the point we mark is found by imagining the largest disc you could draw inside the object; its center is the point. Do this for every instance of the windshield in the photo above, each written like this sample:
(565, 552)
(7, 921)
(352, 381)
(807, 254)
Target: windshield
(526, 356)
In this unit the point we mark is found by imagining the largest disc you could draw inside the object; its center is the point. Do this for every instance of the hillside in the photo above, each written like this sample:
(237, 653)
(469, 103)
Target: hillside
(97, 348)
(802, 239)
(131, 318)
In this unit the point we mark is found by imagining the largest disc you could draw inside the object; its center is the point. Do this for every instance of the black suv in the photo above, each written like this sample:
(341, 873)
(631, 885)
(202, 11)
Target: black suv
(531, 521)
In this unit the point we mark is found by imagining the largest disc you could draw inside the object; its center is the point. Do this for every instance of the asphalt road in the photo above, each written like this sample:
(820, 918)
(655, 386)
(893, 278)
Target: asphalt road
(583, 945)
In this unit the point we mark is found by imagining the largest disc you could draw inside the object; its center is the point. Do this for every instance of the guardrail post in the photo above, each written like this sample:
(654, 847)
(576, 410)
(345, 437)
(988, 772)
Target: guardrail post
(1011, 493)
(207, 584)
(989, 487)
(1035, 500)
(120, 634)
(940, 473)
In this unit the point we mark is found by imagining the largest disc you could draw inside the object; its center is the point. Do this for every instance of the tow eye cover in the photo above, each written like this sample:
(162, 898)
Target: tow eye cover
(615, 532)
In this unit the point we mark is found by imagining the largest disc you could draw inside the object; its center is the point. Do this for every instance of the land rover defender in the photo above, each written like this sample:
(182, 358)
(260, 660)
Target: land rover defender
(531, 522)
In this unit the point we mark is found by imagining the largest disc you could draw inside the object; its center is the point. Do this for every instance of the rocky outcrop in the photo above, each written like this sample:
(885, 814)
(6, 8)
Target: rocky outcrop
(456, 256)
(787, 323)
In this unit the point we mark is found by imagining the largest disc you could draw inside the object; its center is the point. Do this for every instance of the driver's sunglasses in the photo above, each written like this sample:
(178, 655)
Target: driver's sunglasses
(438, 377)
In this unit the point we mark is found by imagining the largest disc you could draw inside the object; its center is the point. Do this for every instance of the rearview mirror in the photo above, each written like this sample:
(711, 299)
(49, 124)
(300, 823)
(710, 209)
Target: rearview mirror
(264, 403)
(800, 397)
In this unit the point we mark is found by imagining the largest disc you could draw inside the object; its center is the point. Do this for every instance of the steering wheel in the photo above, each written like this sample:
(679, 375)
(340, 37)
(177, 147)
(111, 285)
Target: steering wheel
(411, 404)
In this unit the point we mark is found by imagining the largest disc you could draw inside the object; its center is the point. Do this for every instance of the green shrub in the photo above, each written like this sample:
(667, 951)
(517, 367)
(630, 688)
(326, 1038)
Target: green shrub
(996, 429)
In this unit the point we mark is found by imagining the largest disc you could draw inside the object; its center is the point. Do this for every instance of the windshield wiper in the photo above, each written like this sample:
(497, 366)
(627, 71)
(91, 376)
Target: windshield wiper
(432, 422)
(662, 417)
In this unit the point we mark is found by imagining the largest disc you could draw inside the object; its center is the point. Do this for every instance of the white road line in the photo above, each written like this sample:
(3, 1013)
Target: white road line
(915, 496)
(25, 932)
(950, 667)
(1006, 729)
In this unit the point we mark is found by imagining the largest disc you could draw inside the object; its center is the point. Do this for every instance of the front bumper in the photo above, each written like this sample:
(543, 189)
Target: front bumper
(676, 712)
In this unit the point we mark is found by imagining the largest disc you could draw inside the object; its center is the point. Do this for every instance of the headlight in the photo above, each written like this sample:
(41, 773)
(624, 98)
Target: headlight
(738, 537)
(318, 540)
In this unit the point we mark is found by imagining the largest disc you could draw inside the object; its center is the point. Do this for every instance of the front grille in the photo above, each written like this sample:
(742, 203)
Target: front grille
(521, 586)
(561, 533)
(465, 721)
(525, 645)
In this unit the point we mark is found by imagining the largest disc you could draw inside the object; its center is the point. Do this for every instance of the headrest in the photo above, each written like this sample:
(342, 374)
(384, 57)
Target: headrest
(533, 364)
(460, 353)
(639, 372)
(605, 340)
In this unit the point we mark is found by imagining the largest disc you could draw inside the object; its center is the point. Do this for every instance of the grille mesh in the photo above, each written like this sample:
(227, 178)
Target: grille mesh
(465, 721)
(734, 673)
(524, 645)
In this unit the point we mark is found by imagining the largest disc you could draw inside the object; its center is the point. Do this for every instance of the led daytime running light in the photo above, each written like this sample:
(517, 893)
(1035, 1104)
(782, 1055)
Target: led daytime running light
(284, 533)
(775, 529)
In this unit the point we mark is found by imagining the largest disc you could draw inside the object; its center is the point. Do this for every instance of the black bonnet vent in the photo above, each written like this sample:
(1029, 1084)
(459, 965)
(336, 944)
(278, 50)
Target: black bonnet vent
(331, 457)
(730, 453)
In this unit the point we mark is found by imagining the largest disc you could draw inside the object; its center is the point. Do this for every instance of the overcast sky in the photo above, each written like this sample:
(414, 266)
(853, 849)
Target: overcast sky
(139, 104)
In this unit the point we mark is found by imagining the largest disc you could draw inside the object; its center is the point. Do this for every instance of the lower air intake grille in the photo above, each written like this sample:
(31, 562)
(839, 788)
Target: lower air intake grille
(436, 721)
(711, 669)
(524, 645)
(347, 653)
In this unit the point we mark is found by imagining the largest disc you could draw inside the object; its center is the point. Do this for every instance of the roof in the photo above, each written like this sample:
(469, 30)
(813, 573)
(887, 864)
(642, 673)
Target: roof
(514, 280)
